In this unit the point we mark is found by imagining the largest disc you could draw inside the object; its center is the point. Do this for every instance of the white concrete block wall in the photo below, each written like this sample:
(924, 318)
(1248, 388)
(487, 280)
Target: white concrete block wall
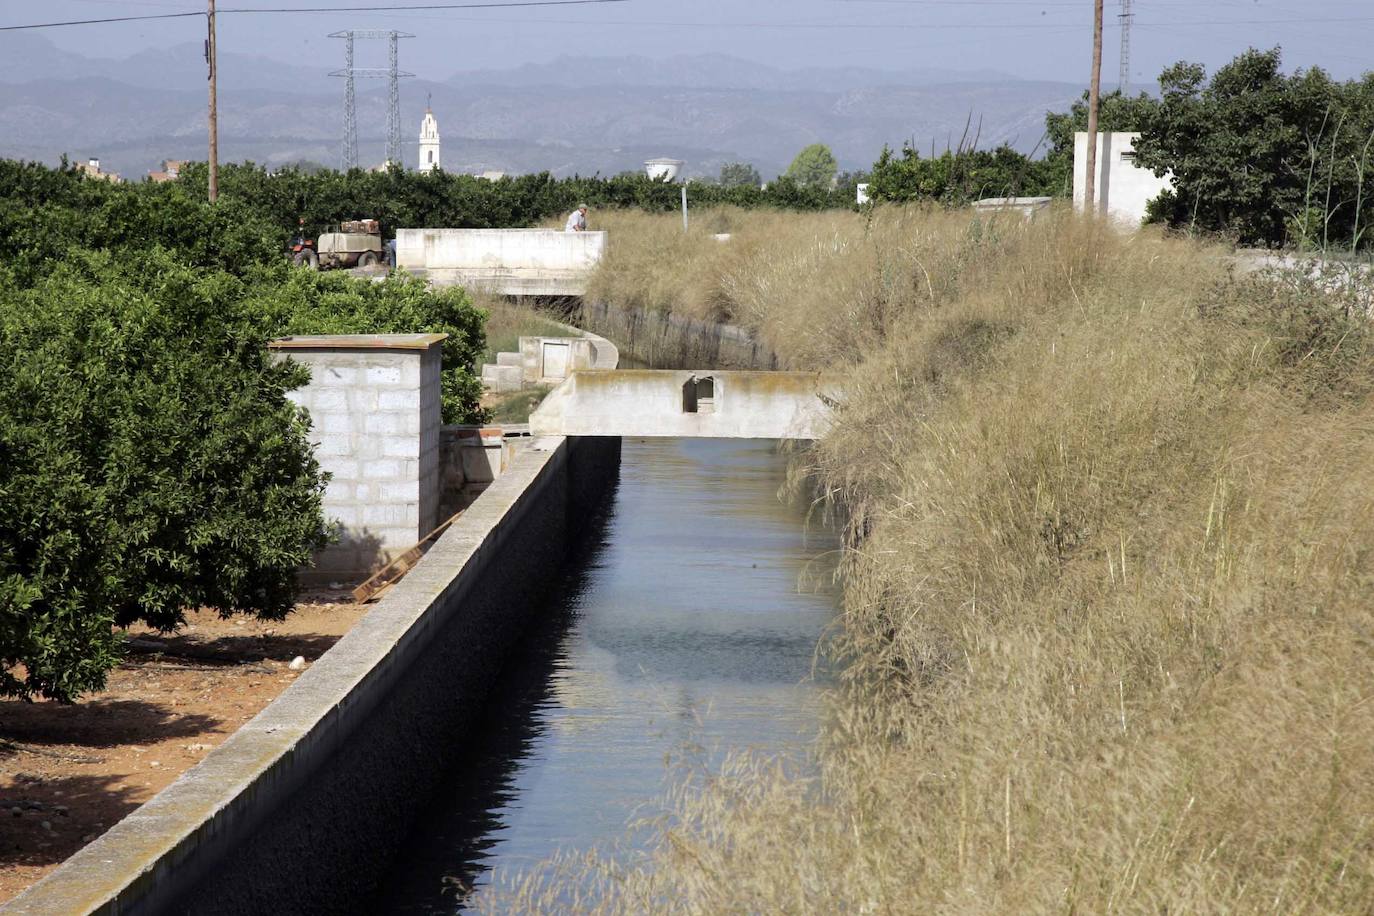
(375, 410)
(1123, 189)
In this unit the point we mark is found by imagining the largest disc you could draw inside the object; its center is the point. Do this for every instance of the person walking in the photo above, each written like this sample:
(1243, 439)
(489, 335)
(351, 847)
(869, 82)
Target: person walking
(577, 220)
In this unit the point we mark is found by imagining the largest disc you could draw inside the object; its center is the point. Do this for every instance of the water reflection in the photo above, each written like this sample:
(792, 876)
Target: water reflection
(680, 621)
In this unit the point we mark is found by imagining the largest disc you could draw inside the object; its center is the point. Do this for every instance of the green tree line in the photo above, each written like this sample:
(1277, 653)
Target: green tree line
(402, 199)
(1256, 155)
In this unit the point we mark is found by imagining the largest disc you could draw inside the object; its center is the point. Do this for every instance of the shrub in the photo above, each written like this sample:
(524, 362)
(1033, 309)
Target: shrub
(149, 462)
(295, 301)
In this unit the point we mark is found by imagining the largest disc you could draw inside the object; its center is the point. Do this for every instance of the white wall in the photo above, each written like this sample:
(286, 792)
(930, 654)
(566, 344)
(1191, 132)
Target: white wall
(529, 261)
(1123, 188)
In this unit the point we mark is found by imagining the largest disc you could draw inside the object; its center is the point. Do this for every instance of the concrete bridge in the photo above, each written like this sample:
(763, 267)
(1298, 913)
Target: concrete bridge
(704, 403)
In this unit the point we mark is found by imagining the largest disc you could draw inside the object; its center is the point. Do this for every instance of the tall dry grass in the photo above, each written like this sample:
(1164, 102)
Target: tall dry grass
(1108, 631)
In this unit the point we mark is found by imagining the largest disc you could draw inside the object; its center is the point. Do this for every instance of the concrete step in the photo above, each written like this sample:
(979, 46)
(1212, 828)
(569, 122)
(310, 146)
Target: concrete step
(510, 359)
(502, 378)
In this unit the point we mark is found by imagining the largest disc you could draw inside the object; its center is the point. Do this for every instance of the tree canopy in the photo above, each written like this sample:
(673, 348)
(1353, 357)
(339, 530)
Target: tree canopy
(1261, 156)
(740, 174)
(150, 462)
(814, 167)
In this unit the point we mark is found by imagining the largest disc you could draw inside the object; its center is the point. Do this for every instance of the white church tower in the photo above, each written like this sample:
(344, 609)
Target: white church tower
(429, 142)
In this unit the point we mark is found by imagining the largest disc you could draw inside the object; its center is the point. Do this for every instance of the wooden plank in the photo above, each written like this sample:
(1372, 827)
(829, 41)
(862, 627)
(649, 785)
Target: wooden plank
(381, 581)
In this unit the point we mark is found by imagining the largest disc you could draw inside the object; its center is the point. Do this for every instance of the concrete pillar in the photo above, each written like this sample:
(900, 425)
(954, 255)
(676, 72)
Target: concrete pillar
(375, 413)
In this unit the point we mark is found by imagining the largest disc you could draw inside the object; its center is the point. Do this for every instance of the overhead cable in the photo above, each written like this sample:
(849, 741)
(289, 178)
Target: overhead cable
(373, 8)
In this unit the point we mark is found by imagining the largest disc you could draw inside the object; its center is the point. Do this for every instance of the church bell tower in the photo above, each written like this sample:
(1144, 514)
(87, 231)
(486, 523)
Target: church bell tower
(429, 142)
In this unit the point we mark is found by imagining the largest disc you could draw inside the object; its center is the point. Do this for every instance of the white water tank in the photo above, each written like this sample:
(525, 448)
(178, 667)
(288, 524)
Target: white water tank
(662, 169)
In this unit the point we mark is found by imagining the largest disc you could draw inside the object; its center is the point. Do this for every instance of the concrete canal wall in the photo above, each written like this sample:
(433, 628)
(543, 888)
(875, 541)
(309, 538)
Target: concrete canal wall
(300, 810)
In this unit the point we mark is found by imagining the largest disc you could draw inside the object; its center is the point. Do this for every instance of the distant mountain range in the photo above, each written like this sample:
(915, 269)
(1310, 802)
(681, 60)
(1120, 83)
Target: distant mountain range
(568, 116)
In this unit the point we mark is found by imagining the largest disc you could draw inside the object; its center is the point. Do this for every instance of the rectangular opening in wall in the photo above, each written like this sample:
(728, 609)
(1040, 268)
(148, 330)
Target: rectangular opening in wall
(1128, 156)
(699, 395)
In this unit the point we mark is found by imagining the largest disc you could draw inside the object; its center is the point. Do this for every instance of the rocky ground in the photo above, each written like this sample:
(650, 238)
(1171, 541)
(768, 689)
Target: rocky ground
(68, 773)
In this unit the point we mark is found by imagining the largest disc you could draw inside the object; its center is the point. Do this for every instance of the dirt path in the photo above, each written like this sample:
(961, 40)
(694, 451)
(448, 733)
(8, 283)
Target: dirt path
(69, 773)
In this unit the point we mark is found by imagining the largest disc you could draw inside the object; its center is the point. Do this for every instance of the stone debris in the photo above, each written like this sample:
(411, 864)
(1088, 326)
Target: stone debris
(297, 663)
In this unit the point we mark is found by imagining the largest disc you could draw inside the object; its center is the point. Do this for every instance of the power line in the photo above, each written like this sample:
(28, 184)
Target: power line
(378, 8)
(505, 4)
(54, 25)
(1333, 21)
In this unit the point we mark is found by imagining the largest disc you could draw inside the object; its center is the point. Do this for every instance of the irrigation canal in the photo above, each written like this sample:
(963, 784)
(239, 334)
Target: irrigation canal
(685, 625)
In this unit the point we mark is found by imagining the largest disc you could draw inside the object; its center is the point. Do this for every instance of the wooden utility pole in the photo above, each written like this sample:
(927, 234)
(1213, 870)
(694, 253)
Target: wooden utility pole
(1094, 94)
(214, 109)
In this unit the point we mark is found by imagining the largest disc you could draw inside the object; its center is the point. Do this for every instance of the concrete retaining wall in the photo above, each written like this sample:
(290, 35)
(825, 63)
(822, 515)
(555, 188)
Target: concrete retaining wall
(300, 810)
(672, 342)
(513, 262)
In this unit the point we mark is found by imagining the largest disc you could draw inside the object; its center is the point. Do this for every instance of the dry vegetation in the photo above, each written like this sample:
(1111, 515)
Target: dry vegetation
(508, 321)
(1108, 629)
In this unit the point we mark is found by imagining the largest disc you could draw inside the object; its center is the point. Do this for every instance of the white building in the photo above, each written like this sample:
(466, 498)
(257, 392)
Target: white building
(1123, 188)
(429, 143)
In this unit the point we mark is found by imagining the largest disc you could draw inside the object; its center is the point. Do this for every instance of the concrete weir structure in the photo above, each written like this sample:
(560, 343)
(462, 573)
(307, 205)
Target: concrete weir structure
(512, 262)
(704, 403)
(301, 809)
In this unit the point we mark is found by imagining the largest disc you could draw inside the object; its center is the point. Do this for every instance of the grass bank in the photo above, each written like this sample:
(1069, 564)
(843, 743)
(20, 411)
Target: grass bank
(508, 320)
(1108, 632)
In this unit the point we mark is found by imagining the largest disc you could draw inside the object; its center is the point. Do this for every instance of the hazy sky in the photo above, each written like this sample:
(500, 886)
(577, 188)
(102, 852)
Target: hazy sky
(1044, 39)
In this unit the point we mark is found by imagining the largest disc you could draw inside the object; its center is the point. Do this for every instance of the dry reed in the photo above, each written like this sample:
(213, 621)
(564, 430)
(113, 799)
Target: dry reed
(1108, 631)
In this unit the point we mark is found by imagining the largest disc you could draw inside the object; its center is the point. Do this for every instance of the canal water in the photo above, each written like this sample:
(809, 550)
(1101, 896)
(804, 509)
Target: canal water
(686, 623)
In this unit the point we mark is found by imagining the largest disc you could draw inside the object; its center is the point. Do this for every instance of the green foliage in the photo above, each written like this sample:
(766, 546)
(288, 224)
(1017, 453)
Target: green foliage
(47, 213)
(957, 178)
(294, 301)
(401, 199)
(44, 213)
(517, 406)
(1263, 157)
(149, 462)
(814, 167)
(735, 174)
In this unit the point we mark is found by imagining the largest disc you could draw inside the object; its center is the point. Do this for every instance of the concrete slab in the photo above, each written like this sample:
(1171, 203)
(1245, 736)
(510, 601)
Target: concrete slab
(704, 403)
(502, 378)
